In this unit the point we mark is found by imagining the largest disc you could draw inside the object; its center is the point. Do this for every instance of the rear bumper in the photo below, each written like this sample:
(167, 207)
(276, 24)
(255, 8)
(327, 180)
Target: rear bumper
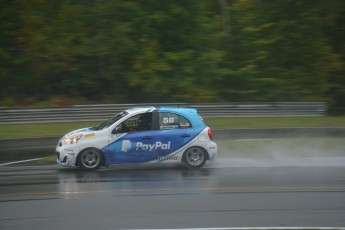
(212, 150)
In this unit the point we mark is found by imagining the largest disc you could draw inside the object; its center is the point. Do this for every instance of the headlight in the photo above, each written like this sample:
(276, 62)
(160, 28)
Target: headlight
(72, 140)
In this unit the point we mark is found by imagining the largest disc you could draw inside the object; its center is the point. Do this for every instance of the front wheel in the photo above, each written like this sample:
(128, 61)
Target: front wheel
(194, 157)
(90, 159)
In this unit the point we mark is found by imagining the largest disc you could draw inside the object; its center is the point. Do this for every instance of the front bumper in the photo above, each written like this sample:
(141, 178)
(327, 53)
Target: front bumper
(66, 155)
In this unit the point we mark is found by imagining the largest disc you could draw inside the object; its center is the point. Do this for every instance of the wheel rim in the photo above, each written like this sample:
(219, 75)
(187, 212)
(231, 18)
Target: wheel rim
(90, 159)
(195, 156)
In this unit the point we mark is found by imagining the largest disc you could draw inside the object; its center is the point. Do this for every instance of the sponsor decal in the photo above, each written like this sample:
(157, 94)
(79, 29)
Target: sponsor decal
(127, 145)
(169, 127)
(167, 158)
(90, 135)
(68, 150)
(155, 146)
(185, 125)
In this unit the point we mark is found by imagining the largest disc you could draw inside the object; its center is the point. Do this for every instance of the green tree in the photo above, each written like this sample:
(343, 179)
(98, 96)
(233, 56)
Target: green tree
(277, 52)
(172, 51)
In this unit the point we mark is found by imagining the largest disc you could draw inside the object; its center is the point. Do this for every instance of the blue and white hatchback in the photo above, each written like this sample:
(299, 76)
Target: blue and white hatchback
(140, 135)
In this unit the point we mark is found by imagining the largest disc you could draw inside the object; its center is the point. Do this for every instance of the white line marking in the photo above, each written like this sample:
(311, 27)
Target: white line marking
(254, 228)
(18, 162)
(253, 140)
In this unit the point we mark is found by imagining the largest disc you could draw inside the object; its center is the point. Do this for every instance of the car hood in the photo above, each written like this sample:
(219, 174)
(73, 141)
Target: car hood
(79, 131)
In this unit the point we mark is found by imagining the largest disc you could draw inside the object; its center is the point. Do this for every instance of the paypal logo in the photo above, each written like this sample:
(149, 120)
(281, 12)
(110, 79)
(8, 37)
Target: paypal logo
(127, 145)
(155, 146)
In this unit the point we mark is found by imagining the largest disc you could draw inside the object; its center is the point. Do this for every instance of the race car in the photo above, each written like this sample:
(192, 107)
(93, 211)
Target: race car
(140, 135)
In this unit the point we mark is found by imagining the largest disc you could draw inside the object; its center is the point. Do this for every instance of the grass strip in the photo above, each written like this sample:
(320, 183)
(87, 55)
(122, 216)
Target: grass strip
(275, 122)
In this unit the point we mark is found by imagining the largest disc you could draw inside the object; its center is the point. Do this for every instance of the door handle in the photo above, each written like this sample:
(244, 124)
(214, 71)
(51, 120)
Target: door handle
(147, 138)
(185, 135)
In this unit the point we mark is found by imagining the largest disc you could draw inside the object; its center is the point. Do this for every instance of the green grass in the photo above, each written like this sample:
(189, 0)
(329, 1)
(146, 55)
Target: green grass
(59, 129)
(275, 122)
(41, 130)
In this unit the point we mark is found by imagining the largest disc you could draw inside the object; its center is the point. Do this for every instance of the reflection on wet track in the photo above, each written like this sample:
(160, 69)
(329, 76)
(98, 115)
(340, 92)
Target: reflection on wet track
(50, 197)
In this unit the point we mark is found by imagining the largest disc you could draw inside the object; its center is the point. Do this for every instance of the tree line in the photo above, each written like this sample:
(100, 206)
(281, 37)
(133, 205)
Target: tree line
(99, 51)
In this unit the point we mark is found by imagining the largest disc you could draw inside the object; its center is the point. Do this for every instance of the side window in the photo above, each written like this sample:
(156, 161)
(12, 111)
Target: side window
(173, 121)
(184, 123)
(140, 122)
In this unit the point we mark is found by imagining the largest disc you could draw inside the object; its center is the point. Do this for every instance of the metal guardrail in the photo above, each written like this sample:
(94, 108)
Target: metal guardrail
(104, 111)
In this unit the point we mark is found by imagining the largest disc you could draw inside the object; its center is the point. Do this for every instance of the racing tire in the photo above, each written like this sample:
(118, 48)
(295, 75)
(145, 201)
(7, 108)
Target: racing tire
(90, 159)
(194, 157)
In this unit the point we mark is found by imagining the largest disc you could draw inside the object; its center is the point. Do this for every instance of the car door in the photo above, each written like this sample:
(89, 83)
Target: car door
(133, 141)
(173, 132)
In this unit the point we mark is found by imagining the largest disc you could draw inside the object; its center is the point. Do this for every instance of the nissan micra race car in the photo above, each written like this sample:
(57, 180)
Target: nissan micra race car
(140, 135)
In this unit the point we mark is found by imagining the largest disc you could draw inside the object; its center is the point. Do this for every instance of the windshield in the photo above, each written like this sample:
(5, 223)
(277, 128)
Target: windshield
(111, 121)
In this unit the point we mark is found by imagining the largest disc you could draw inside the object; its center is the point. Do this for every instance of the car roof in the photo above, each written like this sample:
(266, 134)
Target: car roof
(160, 109)
(177, 110)
(140, 109)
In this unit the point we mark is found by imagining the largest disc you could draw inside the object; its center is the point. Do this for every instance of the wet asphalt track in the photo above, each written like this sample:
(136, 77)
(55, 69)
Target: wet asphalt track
(224, 194)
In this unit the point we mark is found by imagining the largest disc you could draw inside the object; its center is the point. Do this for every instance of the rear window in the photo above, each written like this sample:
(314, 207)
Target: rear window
(173, 121)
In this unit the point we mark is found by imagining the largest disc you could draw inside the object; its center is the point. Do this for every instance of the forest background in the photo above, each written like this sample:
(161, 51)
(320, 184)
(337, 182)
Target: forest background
(61, 52)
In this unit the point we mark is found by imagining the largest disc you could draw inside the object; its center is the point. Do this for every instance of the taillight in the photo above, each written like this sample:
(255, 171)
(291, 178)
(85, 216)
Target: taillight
(210, 135)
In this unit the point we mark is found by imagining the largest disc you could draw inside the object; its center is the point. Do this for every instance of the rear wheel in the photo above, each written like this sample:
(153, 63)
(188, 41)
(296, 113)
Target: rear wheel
(194, 157)
(90, 159)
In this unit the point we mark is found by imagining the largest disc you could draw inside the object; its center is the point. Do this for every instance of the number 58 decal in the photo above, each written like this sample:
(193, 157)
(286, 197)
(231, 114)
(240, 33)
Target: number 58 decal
(167, 120)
